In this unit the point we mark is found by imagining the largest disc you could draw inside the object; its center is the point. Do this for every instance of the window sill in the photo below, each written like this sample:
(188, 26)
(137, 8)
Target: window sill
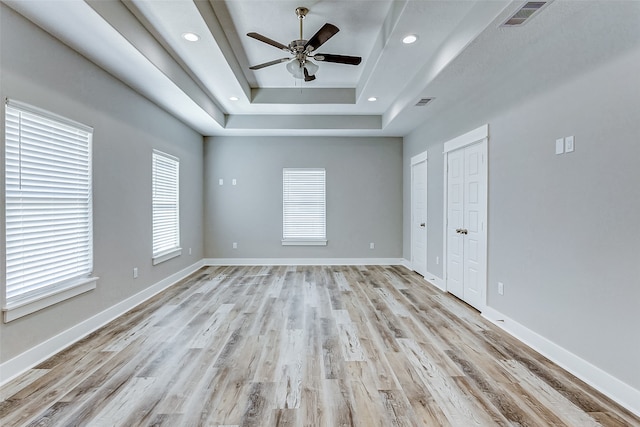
(27, 306)
(304, 243)
(166, 256)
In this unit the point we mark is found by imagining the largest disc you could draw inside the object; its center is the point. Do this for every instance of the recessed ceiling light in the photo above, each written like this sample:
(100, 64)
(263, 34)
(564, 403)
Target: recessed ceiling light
(411, 38)
(372, 99)
(233, 98)
(192, 37)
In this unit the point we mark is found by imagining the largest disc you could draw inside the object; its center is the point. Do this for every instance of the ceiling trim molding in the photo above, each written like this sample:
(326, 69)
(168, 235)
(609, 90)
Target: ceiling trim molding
(304, 122)
(303, 96)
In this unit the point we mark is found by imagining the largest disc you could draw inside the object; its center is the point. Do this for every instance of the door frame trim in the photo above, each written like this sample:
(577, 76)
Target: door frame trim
(480, 134)
(418, 158)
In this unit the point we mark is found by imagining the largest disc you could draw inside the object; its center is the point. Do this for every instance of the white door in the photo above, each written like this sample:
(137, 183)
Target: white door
(419, 214)
(455, 222)
(466, 223)
(474, 224)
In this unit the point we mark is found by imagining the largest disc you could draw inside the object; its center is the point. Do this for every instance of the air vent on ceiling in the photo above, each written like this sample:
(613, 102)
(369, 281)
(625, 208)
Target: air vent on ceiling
(524, 14)
(424, 101)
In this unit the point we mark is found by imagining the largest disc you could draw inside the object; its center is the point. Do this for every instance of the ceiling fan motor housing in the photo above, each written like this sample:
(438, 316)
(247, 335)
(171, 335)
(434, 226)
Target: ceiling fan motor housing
(297, 46)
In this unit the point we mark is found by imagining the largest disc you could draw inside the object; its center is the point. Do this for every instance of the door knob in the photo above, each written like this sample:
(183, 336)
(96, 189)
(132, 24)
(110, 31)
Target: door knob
(464, 231)
(422, 224)
(458, 230)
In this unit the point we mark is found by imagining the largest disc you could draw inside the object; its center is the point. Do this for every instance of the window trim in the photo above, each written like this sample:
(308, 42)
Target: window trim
(304, 241)
(167, 254)
(37, 303)
(33, 301)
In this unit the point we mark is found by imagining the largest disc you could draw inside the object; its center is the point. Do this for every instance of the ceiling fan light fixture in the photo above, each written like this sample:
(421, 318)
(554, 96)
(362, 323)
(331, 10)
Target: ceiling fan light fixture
(297, 70)
(409, 39)
(191, 37)
(311, 67)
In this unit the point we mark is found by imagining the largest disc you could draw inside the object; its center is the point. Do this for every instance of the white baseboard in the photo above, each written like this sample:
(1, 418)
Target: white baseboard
(429, 277)
(302, 261)
(436, 281)
(41, 352)
(602, 381)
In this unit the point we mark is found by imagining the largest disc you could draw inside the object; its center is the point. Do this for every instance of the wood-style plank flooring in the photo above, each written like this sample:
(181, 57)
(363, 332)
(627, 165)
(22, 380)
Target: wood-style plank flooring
(303, 346)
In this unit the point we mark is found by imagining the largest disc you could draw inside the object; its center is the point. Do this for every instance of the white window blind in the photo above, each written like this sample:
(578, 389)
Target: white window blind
(49, 230)
(303, 207)
(166, 206)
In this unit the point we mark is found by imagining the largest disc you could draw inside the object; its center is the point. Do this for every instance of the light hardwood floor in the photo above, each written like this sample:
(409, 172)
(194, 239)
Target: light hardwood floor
(303, 346)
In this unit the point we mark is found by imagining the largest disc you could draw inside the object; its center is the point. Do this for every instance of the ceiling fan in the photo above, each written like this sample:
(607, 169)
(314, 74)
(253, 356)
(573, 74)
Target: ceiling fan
(300, 65)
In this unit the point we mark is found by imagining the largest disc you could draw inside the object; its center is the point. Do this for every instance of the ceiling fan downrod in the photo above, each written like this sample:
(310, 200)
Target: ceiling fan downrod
(301, 12)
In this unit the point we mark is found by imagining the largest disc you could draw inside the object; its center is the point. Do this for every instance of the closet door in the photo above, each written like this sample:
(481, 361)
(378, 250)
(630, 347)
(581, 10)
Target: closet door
(455, 222)
(466, 223)
(473, 235)
(419, 213)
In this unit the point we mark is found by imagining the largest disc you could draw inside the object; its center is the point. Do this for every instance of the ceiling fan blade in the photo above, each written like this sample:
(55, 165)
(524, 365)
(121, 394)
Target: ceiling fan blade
(339, 59)
(307, 77)
(267, 40)
(267, 64)
(325, 33)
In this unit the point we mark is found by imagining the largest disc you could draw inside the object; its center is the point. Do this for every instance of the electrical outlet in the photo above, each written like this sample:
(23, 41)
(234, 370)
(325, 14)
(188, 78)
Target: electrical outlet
(221, 181)
(135, 272)
(500, 288)
(568, 144)
(189, 251)
(372, 245)
(235, 245)
(437, 260)
(233, 181)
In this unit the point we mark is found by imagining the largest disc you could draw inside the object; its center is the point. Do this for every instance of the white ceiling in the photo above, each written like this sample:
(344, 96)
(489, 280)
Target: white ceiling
(463, 57)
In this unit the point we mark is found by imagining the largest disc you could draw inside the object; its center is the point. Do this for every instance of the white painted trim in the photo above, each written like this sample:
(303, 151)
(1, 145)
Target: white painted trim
(429, 277)
(468, 138)
(602, 381)
(166, 256)
(422, 157)
(436, 281)
(303, 261)
(39, 302)
(293, 242)
(30, 358)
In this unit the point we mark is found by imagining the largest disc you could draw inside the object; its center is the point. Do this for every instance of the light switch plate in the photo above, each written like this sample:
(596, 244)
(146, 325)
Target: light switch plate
(560, 146)
(233, 181)
(568, 144)
(221, 181)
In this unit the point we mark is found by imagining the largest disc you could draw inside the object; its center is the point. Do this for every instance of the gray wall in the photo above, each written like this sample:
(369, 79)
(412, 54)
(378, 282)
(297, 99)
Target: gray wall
(364, 195)
(562, 232)
(126, 129)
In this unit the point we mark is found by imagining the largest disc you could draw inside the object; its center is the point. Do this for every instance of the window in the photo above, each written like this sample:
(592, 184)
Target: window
(49, 228)
(166, 207)
(303, 207)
